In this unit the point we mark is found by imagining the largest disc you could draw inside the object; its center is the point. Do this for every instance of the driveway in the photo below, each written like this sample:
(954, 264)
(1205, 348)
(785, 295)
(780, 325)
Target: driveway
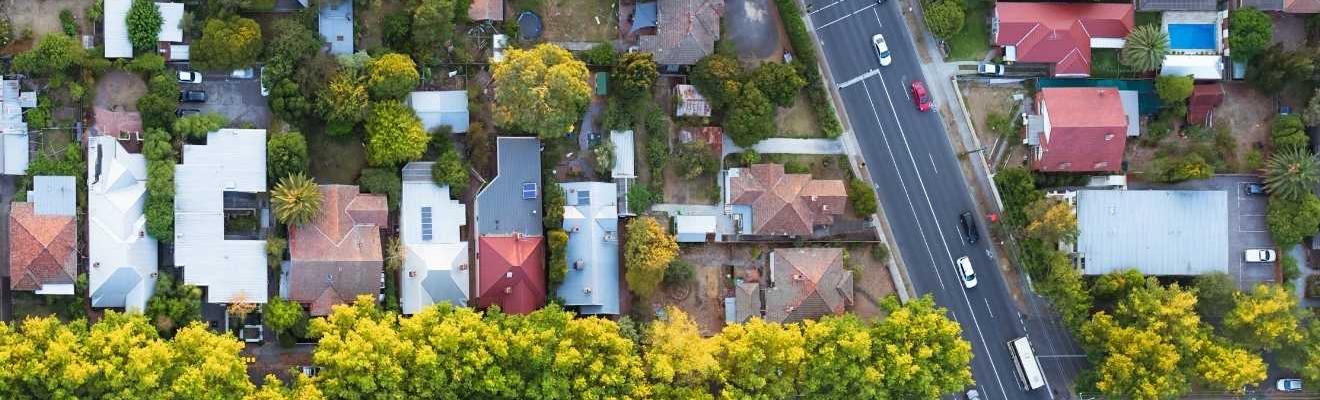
(788, 146)
(239, 100)
(7, 183)
(753, 28)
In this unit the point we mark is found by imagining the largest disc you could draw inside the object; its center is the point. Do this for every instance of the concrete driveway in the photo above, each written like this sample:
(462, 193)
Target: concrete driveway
(238, 99)
(753, 28)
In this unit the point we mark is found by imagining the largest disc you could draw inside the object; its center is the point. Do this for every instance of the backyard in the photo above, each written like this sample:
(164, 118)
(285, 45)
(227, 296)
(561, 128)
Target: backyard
(971, 43)
(574, 20)
(797, 121)
(348, 160)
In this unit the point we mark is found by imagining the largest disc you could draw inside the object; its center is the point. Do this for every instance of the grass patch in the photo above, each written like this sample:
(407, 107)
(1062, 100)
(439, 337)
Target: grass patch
(335, 160)
(578, 20)
(1104, 64)
(797, 121)
(971, 43)
(1148, 18)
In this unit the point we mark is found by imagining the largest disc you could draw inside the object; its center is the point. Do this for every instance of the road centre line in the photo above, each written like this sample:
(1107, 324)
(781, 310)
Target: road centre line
(845, 17)
(826, 6)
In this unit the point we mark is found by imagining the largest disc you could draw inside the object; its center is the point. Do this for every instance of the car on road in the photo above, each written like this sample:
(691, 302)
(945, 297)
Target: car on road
(190, 77)
(990, 69)
(183, 112)
(265, 91)
(968, 225)
(245, 73)
(965, 271)
(882, 49)
(1289, 385)
(920, 96)
(1259, 255)
(192, 96)
(1254, 189)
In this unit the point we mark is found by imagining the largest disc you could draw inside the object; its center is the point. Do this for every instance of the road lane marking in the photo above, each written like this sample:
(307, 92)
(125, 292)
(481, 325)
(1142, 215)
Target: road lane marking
(845, 17)
(932, 163)
(1064, 356)
(859, 78)
(987, 307)
(823, 8)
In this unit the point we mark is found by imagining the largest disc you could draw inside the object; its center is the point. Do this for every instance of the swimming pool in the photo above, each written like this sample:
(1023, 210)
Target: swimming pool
(1192, 36)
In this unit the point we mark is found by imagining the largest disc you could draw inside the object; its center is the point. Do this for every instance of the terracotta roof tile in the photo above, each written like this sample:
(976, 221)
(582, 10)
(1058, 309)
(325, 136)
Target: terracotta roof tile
(1060, 33)
(809, 283)
(481, 10)
(340, 250)
(42, 248)
(686, 31)
(511, 272)
(786, 204)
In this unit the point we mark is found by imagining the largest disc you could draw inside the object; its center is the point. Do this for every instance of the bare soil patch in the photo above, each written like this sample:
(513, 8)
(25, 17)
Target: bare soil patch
(42, 16)
(871, 284)
(981, 100)
(119, 90)
(703, 298)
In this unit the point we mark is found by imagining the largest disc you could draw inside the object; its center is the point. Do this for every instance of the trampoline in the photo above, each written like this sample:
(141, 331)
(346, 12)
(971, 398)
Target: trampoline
(529, 25)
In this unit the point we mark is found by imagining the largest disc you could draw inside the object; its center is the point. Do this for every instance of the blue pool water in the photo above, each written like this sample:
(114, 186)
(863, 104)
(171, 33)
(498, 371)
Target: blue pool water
(1192, 36)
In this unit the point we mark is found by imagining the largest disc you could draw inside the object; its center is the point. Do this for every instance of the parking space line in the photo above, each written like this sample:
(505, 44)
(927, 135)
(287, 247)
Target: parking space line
(859, 78)
(826, 6)
(845, 17)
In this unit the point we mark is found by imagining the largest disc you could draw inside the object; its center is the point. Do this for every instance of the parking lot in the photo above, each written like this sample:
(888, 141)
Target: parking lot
(238, 99)
(1247, 228)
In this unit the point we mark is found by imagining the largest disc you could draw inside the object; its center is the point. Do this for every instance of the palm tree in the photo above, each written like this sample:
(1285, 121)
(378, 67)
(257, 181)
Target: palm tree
(1291, 173)
(296, 199)
(1145, 48)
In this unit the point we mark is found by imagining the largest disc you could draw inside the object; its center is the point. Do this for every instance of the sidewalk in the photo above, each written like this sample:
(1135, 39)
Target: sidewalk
(788, 146)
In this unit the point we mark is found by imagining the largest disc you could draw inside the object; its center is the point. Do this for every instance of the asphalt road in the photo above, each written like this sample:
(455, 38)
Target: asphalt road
(919, 183)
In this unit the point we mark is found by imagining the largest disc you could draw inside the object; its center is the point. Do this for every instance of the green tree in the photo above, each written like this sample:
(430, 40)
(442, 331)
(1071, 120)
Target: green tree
(602, 54)
(1173, 89)
(1145, 48)
(1018, 190)
(1264, 319)
(394, 135)
(542, 90)
(1250, 31)
(144, 23)
(780, 82)
(149, 64)
(173, 305)
(862, 198)
(227, 43)
(296, 199)
(1171, 169)
(282, 314)
(1305, 355)
(1292, 173)
(344, 103)
(746, 352)
(1052, 221)
(450, 170)
(384, 181)
(1288, 134)
(1276, 67)
(1066, 289)
(293, 40)
(711, 73)
(1290, 220)
(53, 55)
(432, 28)
(944, 18)
(197, 126)
(287, 101)
(557, 241)
(634, 75)
(647, 252)
(1312, 112)
(920, 339)
(751, 116)
(158, 104)
(552, 201)
(1214, 295)
(391, 76)
(679, 362)
(286, 154)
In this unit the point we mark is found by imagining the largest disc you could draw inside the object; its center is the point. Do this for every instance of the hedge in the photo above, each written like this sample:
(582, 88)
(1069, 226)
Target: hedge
(805, 56)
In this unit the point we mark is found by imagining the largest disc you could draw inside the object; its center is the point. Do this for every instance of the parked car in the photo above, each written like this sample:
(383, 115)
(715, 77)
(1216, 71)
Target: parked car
(245, 73)
(183, 112)
(1289, 385)
(968, 225)
(882, 49)
(192, 96)
(265, 91)
(1254, 189)
(965, 271)
(190, 77)
(920, 96)
(990, 69)
(1260, 255)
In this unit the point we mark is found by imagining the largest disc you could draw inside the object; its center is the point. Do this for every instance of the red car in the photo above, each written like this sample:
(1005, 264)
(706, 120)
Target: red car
(920, 96)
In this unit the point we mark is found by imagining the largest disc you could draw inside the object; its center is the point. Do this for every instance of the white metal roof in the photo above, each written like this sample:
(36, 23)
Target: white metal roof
(443, 254)
(171, 15)
(115, 12)
(116, 227)
(233, 160)
(448, 107)
(14, 142)
(1159, 232)
(1198, 66)
(624, 154)
(53, 195)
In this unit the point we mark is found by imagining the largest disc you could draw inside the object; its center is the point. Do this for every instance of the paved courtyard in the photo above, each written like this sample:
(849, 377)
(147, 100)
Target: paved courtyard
(240, 100)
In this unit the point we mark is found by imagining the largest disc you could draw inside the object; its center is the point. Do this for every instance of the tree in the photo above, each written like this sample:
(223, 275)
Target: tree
(634, 75)
(53, 54)
(149, 64)
(450, 170)
(843, 362)
(197, 126)
(780, 82)
(542, 90)
(227, 43)
(1171, 169)
(293, 40)
(1305, 358)
(158, 104)
(1312, 112)
(159, 214)
(557, 241)
(1173, 89)
(174, 304)
(282, 314)
(678, 273)
(1145, 48)
(384, 181)
(394, 135)
(296, 199)
(1249, 32)
(862, 198)
(920, 339)
(357, 341)
(944, 18)
(711, 73)
(287, 101)
(1018, 190)
(1292, 173)
(1287, 133)
(591, 360)
(1052, 221)
(432, 28)
(1229, 368)
(301, 389)
(602, 54)
(286, 154)
(553, 200)
(1136, 363)
(647, 252)
(1264, 319)
(751, 116)
(1290, 220)
(344, 103)
(1214, 295)
(748, 352)
(391, 76)
(1066, 289)
(1275, 67)
(679, 362)
(144, 23)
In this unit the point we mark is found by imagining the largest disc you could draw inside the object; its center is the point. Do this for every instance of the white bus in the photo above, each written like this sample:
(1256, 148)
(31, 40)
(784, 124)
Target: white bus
(1028, 370)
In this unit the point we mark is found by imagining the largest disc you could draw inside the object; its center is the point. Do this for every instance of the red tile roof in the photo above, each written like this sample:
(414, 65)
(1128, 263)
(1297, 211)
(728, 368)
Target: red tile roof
(42, 248)
(511, 272)
(786, 204)
(809, 283)
(1205, 97)
(1060, 33)
(686, 31)
(1087, 130)
(338, 255)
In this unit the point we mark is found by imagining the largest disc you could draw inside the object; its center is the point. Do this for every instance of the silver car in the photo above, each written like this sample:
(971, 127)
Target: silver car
(965, 271)
(882, 49)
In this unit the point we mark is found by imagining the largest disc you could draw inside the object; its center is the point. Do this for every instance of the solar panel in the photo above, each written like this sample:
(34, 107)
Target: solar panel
(426, 223)
(529, 190)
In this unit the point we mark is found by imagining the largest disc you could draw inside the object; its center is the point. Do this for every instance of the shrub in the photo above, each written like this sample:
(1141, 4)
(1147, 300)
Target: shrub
(558, 269)
(392, 76)
(450, 170)
(286, 154)
(6, 32)
(804, 52)
(1249, 32)
(1313, 286)
(602, 54)
(394, 135)
(862, 198)
(67, 22)
(678, 273)
(640, 199)
(796, 167)
(197, 126)
(384, 181)
(1288, 266)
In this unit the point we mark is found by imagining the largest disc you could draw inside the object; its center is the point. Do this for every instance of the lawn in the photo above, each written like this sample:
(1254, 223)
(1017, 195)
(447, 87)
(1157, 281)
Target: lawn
(335, 160)
(579, 20)
(1148, 18)
(971, 43)
(1104, 64)
(798, 120)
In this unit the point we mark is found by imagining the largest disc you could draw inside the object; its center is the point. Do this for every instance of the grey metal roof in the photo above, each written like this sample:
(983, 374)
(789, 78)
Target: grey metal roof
(448, 107)
(1177, 5)
(1132, 109)
(501, 208)
(1264, 5)
(335, 22)
(592, 222)
(442, 286)
(114, 290)
(1159, 232)
(53, 195)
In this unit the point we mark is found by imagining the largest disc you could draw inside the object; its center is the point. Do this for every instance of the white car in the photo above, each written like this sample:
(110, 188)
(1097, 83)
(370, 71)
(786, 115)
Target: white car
(1259, 255)
(190, 77)
(245, 73)
(1289, 385)
(882, 49)
(966, 272)
(990, 69)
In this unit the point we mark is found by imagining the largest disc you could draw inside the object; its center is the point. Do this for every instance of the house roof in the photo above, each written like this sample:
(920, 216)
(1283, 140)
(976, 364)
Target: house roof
(511, 272)
(785, 204)
(117, 44)
(1060, 33)
(171, 28)
(231, 161)
(592, 222)
(1288, 6)
(712, 135)
(435, 267)
(1205, 97)
(121, 256)
(1201, 67)
(14, 145)
(1086, 129)
(43, 238)
(624, 154)
(482, 10)
(1177, 5)
(1159, 232)
(335, 23)
(807, 283)
(747, 301)
(448, 107)
(686, 31)
(337, 256)
(644, 16)
(694, 228)
(504, 206)
(690, 102)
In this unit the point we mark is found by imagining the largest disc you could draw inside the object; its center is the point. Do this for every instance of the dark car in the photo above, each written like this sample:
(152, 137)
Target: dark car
(1254, 189)
(968, 225)
(192, 96)
(183, 112)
